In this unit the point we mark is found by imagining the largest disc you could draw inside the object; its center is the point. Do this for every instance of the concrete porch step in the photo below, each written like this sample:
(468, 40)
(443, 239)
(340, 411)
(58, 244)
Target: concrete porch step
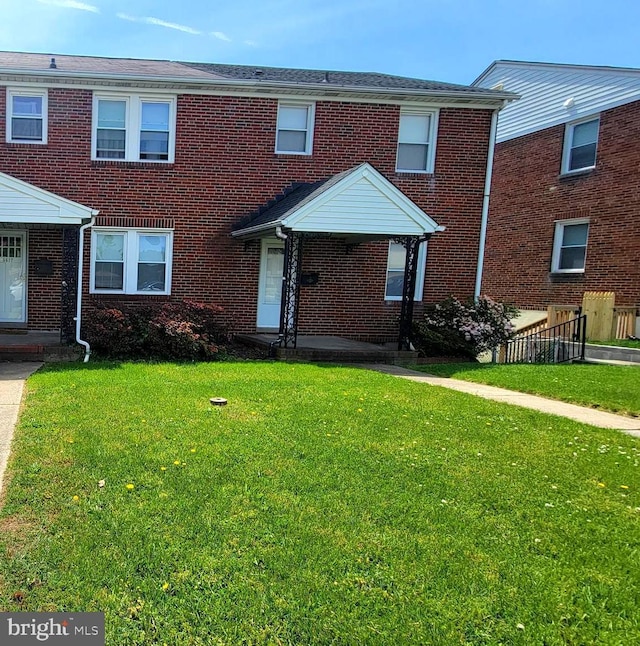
(23, 345)
(330, 349)
(21, 353)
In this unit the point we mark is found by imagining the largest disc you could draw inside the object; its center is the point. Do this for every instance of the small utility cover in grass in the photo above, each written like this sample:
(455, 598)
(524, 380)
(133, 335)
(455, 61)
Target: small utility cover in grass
(218, 401)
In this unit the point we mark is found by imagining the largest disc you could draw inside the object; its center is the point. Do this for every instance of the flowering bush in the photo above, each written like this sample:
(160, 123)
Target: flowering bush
(464, 329)
(175, 330)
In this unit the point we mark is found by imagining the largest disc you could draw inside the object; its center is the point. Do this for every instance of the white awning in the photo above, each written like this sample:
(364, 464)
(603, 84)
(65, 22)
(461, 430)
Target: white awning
(24, 203)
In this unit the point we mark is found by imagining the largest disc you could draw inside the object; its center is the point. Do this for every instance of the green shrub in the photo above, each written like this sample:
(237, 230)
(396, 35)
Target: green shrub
(174, 330)
(456, 329)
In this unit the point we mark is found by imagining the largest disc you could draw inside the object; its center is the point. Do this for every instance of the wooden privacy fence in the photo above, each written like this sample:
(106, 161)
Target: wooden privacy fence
(604, 320)
(624, 322)
(557, 314)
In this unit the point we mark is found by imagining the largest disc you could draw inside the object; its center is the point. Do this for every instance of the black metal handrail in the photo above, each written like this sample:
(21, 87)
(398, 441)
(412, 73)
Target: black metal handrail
(557, 344)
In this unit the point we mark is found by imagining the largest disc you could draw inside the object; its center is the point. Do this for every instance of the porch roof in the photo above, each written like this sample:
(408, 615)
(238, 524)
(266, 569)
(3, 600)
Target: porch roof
(22, 203)
(356, 203)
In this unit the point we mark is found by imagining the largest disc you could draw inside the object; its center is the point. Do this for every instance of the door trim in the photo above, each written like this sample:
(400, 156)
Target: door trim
(22, 321)
(266, 243)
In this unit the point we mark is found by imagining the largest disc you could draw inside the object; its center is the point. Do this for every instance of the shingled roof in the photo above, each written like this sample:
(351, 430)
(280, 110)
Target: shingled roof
(324, 77)
(244, 77)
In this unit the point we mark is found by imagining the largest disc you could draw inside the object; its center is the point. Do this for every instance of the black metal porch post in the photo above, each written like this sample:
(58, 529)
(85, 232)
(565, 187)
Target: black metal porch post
(412, 247)
(291, 290)
(69, 291)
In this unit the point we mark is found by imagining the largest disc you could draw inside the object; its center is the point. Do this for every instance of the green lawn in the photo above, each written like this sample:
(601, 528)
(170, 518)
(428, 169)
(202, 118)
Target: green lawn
(322, 505)
(608, 387)
(621, 343)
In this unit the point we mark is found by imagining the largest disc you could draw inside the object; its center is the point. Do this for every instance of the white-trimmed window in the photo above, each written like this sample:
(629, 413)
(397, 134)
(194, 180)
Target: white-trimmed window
(395, 271)
(570, 246)
(27, 116)
(580, 145)
(416, 150)
(131, 261)
(294, 133)
(133, 127)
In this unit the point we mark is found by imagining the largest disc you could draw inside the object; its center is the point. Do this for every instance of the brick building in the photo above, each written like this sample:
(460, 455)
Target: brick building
(565, 195)
(220, 183)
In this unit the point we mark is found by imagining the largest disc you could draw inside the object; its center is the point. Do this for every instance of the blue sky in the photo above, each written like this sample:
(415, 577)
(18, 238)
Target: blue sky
(445, 40)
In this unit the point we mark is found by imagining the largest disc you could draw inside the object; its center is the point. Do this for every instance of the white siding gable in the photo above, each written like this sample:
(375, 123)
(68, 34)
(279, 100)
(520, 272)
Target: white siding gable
(556, 94)
(366, 203)
(23, 203)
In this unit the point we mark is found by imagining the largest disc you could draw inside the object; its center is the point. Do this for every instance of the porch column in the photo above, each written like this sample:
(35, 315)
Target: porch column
(412, 247)
(69, 291)
(291, 290)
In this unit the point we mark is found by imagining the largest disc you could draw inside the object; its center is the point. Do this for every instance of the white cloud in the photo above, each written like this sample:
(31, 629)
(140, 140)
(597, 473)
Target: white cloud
(220, 35)
(150, 20)
(250, 43)
(71, 4)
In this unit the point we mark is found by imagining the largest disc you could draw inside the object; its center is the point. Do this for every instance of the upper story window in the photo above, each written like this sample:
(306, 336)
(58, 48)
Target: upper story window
(134, 128)
(295, 128)
(130, 261)
(396, 261)
(416, 150)
(580, 145)
(27, 116)
(570, 246)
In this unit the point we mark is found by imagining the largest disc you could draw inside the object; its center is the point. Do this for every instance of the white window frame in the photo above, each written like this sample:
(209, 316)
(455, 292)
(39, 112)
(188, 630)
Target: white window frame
(130, 269)
(568, 145)
(558, 237)
(422, 265)
(311, 116)
(43, 94)
(133, 125)
(431, 143)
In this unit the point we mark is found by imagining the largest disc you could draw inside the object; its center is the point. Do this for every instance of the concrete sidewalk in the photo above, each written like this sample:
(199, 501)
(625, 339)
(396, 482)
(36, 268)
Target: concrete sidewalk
(592, 416)
(12, 377)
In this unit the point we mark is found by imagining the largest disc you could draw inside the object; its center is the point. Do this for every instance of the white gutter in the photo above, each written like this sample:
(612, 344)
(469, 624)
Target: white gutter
(485, 204)
(78, 317)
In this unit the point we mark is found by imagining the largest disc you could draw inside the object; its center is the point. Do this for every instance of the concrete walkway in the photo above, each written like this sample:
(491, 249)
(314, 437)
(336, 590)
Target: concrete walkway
(629, 425)
(12, 376)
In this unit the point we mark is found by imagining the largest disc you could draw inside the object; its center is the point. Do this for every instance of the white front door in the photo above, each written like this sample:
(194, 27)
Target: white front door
(270, 284)
(13, 287)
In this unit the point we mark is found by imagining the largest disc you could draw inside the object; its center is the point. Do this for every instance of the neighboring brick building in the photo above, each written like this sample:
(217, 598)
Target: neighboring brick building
(565, 196)
(178, 157)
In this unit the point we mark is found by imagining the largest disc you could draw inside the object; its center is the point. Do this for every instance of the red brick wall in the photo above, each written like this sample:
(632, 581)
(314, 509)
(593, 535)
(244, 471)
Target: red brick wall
(225, 167)
(528, 195)
(44, 292)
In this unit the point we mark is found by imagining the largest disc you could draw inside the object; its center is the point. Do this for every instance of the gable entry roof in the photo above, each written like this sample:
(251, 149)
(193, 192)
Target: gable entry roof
(357, 203)
(23, 203)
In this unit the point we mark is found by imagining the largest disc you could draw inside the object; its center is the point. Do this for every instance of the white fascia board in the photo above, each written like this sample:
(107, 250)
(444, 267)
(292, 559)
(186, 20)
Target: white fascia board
(424, 223)
(251, 231)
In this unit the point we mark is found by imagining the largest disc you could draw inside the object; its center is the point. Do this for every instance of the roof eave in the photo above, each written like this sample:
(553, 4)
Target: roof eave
(246, 232)
(321, 88)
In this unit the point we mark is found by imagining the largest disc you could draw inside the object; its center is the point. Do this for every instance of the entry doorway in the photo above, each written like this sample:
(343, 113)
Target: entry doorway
(270, 284)
(13, 271)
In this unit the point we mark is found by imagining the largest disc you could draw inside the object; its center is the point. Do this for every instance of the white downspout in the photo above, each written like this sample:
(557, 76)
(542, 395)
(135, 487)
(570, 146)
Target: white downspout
(485, 203)
(87, 347)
